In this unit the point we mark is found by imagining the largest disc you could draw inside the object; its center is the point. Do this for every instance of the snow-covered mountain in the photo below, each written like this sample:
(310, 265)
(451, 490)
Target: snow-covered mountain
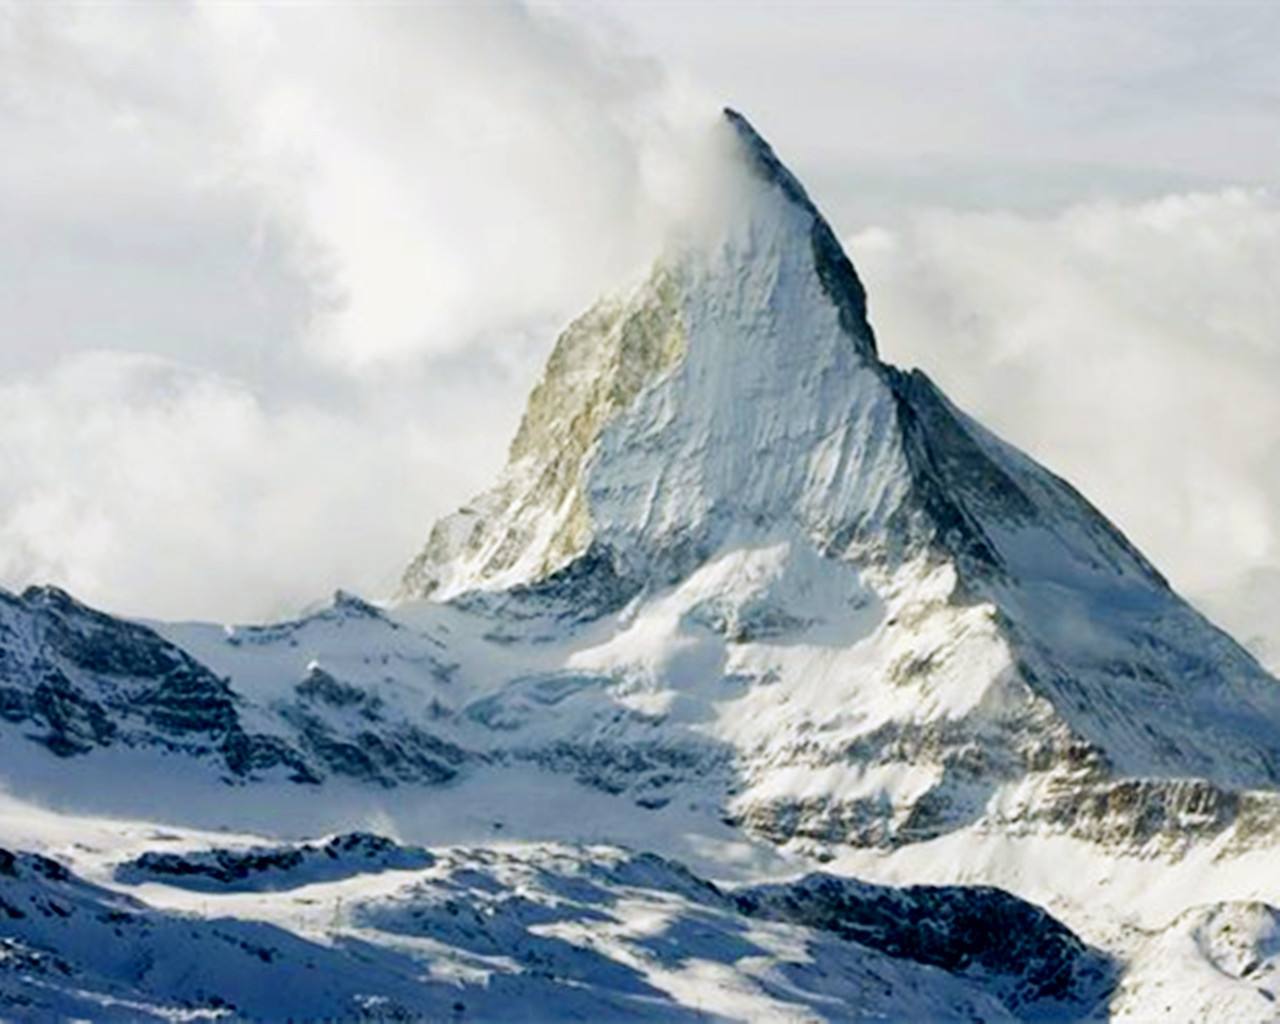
(885, 615)
(746, 596)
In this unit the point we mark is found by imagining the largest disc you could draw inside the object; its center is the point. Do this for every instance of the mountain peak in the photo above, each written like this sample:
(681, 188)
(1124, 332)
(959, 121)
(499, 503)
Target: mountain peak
(764, 162)
(839, 279)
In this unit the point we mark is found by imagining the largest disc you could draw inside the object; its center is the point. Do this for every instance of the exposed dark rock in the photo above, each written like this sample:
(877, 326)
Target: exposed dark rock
(636, 766)
(320, 686)
(1134, 812)
(394, 753)
(587, 588)
(81, 680)
(275, 867)
(1028, 956)
(249, 754)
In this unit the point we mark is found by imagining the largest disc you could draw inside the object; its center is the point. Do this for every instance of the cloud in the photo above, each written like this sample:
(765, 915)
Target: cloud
(377, 183)
(1132, 348)
(144, 486)
(275, 280)
(460, 171)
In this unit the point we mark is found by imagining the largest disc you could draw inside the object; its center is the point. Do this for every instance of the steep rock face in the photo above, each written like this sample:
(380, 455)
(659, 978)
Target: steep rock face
(723, 396)
(536, 520)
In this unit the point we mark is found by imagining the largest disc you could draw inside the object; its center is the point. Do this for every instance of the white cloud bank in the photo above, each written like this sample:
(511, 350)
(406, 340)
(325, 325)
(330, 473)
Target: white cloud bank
(422, 175)
(147, 486)
(1134, 349)
(463, 169)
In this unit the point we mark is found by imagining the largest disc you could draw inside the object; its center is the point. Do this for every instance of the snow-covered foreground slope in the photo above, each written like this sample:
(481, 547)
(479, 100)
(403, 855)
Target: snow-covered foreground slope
(360, 928)
(745, 597)
(102, 918)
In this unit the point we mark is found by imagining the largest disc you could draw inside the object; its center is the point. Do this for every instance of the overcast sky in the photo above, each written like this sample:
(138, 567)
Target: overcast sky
(274, 282)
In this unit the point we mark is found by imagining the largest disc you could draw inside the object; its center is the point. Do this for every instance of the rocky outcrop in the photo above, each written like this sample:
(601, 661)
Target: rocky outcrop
(1023, 954)
(258, 868)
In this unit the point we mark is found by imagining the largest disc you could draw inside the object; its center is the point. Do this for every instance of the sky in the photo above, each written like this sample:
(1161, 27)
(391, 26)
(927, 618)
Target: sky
(274, 281)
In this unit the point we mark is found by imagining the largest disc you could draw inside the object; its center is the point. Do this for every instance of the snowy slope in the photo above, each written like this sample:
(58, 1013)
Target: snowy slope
(505, 932)
(1215, 962)
(744, 596)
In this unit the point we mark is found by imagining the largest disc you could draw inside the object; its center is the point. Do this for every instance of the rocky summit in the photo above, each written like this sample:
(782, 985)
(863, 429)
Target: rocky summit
(745, 596)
